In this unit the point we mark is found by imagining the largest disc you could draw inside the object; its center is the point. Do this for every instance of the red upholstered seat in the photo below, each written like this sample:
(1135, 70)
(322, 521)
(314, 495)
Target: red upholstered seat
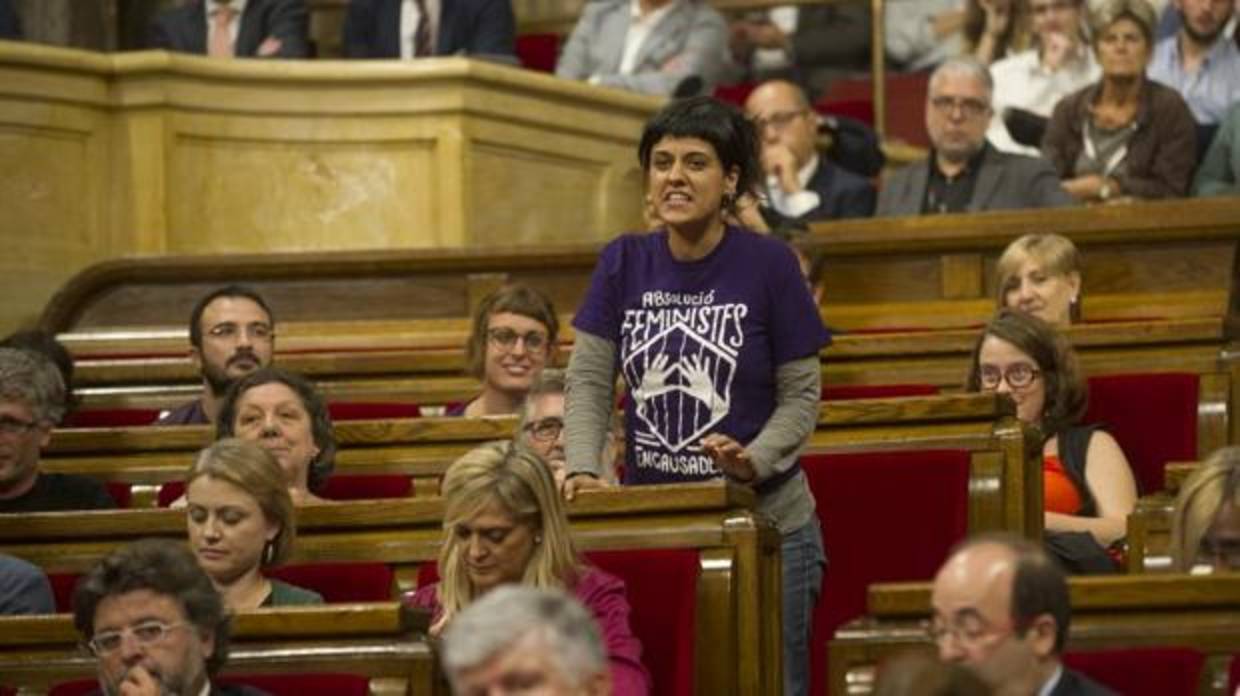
(350, 487)
(63, 585)
(111, 418)
(1233, 676)
(662, 589)
(538, 51)
(876, 391)
(274, 684)
(365, 410)
(1152, 416)
(906, 103)
(886, 516)
(1162, 671)
(735, 94)
(120, 492)
(341, 582)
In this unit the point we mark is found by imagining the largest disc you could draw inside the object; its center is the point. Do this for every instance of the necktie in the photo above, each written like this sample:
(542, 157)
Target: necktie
(221, 32)
(422, 34)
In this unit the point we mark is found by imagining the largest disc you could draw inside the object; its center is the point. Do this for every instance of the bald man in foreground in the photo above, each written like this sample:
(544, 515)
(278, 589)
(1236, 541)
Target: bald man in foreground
(1001, 608)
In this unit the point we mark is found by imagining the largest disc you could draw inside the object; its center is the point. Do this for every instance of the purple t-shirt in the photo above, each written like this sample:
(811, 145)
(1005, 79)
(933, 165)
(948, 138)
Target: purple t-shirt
(698, 342)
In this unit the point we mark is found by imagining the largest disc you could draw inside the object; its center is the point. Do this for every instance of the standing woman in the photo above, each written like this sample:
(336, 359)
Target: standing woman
(1124, 136)
(717, 337)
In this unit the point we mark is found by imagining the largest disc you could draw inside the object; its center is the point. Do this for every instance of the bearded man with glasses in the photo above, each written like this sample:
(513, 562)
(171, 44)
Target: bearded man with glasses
(32, 401)
(155, 623)
(964, 172)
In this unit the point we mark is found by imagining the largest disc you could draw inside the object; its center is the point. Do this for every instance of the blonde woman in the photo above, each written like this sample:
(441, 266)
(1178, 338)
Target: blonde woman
(1205, 532)
(504, 523)
(240, 520)
(1040, 274)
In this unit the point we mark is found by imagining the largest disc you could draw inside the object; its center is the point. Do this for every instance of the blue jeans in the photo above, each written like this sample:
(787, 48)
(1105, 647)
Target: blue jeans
(803, 566)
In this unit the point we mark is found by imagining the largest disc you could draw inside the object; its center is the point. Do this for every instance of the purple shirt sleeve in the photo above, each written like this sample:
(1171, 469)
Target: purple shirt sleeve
(604, 595)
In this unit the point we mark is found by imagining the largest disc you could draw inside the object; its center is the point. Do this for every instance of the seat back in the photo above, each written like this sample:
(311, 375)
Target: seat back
(274, 684)
(1162, 671)
(538, 51)
(371, 410)
(844, 392)
(111, 417)
(350, 487)
(1152, 416)
(341, 582)
(886, 516)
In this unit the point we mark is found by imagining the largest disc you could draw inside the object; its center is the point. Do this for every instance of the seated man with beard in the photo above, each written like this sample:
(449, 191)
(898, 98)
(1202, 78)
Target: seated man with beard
(231, 334)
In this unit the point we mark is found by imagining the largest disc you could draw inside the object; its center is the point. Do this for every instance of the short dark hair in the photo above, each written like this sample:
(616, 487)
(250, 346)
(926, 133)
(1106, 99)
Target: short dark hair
(1039, 585)
(718, 123)
(234, 290)
(165, 567)
(516, 299)
(45, 344)
(311, 400)
(1067, 394)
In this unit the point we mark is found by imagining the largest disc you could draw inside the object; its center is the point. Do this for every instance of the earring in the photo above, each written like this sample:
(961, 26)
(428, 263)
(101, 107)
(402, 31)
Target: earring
(269, 552)
(537, 538)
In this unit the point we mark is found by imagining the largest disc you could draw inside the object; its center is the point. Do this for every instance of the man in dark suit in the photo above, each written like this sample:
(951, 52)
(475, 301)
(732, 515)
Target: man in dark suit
(801, 185)
(397, 28)
(10, 23)
(154, 622)
(964, 172)
(241, 28)
(1001, 608)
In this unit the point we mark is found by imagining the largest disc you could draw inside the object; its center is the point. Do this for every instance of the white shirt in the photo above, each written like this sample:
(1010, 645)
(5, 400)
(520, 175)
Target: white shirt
(1051, 683)
(234, 24)
(1022, 82)
(795, 204)
(409, 16)
(640, 28)
(785, 18)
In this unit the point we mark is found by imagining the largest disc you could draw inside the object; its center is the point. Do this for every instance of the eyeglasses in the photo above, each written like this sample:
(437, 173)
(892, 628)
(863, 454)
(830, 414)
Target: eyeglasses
(1018, 376)
(969, 106)
(546, 429)
(16, 426)
(507, 339)
(967, 633)
(256, 332)
(146, 633)
(778, 120)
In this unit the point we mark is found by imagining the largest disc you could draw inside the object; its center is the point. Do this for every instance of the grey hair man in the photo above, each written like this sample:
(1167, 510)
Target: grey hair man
(536, 640)
(964, 172)
(542, 420)
(32, 401)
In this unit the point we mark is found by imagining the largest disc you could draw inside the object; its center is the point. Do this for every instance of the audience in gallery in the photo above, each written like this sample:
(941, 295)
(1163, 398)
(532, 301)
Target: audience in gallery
(1200, 61)
(240, 519)
(234, 28)
(659, 47)
(232, 333)
(1029, 83)
(32, 402)
(964, 172)
(423, 28)
(810, 45)
(921, 34)
(1040, 274)
(800, 185)
(512, 338)
(1089, 489)
(698, 156)
(154, 622)
(994, 29)
(285, 415)
(1205, 528)
(504, 523)
(1219, 172)
(1000, 607)
(525, 635)
(24, 588)
(1125, 136)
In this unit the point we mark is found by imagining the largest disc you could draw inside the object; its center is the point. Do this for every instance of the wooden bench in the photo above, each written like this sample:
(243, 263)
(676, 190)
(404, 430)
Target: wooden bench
(384, 643)
(738, 649)
(1149, 524)
(1168, 611)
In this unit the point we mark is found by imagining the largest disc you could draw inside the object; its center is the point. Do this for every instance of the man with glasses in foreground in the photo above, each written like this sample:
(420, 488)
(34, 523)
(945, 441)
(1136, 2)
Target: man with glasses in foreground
(232, 333)
(155, 622)
(1000, 607)
(964, 173)
(32, 401)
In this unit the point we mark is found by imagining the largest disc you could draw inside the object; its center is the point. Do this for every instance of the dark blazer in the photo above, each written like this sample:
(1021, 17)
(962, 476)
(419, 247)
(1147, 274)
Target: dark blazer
(184, 28)
(1004, 182)
(841, 194)
(10, 23)
(472, 27)
(1076, 684)
(1162, 153)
